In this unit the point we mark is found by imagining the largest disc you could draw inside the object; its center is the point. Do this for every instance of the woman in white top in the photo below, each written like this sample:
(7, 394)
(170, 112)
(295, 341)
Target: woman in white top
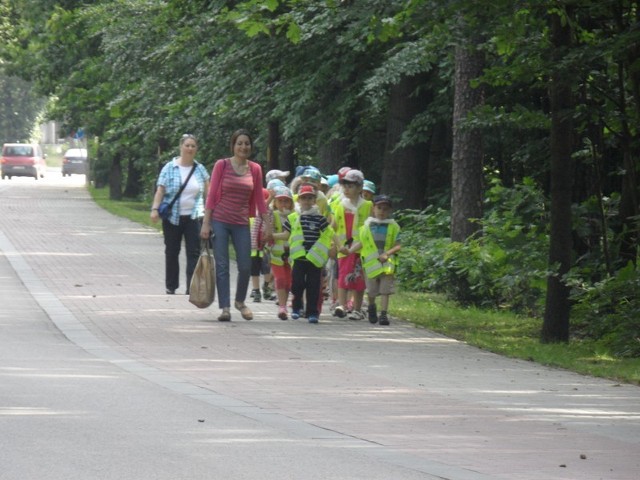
(185, 218)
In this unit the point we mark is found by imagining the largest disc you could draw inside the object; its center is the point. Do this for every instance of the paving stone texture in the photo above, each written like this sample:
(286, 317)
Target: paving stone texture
(404, 396)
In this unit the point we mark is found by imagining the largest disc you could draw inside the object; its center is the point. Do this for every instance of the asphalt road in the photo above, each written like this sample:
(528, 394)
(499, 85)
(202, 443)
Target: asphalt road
(103, 376)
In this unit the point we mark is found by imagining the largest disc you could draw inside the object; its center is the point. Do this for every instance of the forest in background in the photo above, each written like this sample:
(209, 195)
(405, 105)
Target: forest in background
(507, 131)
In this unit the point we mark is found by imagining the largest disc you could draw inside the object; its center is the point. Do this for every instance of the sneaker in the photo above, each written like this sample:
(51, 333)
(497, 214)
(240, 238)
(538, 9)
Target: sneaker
(267, 292)
(255, 295)
(384, 320)
(225, 316)
(170, 291)
(349, 306)
(356, 315)
(295, 314)
(372, 314)
(313, 319)
(339, 312)
(282, 313)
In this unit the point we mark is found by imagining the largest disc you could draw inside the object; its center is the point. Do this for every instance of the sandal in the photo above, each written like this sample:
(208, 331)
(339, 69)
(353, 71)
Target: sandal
(244, 310)
(225, 316)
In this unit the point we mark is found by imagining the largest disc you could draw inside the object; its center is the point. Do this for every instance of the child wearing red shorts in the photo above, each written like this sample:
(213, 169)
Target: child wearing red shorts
(349, 214)
(280, 266)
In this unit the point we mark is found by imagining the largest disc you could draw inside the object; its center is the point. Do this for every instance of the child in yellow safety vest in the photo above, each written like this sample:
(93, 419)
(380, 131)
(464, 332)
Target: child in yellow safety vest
(260, 262)
(378, 243)
(309, 236)
(349, 214)
(280, 265)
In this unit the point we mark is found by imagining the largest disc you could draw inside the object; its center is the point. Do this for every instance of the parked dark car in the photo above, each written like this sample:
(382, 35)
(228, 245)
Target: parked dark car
(74, 161)
(23, 160)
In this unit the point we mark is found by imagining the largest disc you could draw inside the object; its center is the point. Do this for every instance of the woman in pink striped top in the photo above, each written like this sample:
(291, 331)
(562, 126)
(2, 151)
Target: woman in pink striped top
(235, 195)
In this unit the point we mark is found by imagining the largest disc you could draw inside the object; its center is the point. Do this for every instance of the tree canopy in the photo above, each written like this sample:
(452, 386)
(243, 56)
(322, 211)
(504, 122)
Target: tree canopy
(383, 86)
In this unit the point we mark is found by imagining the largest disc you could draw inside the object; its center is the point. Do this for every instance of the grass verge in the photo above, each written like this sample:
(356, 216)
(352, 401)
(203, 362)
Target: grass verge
(503, 333)
(132, 209)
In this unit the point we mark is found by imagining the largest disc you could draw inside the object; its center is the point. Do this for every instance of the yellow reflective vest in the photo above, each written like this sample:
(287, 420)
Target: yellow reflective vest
(318, 254)
(370, 255)
(278, 247)
(254, 251)
(364, 211)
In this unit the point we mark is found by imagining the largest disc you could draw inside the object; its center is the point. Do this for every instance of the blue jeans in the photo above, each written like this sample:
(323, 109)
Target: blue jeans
(241, 238)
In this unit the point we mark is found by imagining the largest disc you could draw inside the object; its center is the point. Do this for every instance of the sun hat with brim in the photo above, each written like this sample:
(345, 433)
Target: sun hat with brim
(276, 182)
(273, 174)
(353, 176)
(342, 172)
(283, 192)
(369, 186)
(312, 174)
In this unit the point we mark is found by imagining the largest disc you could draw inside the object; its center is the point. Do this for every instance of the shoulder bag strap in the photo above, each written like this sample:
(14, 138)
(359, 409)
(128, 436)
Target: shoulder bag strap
(183, 185)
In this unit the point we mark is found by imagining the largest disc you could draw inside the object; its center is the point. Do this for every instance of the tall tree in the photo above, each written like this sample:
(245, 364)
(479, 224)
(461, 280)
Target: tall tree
(467, 156)
(555, 326)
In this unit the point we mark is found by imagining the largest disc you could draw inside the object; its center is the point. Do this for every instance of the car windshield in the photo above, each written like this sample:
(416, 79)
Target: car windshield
(19, 151)
(76, 153)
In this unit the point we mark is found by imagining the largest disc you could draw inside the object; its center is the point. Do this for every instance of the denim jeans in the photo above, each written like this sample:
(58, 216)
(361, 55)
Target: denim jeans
(189, 229)
(241, 239)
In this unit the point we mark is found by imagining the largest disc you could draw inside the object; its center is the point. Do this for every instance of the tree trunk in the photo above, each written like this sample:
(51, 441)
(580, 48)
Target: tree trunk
(555, 326)
(289, 159)
(115, 178)
(630, 195)
(332, 155)
(467, 155)
(405, 168)
(273, 147)
(133, 186)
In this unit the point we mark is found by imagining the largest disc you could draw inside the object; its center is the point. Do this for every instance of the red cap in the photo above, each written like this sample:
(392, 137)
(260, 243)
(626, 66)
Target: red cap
(307, 190)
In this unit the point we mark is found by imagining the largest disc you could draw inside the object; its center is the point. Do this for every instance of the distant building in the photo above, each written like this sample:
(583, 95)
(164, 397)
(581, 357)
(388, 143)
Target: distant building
(49, 133)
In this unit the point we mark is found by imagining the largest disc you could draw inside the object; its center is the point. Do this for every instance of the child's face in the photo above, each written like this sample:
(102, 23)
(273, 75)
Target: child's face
(351, 190)
(382, 211)
(284, 204)
(306, 201)
(367, 195)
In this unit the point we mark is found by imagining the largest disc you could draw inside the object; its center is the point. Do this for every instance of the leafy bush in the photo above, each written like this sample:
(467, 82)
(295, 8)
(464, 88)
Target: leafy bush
(505, 267)
(609, 310)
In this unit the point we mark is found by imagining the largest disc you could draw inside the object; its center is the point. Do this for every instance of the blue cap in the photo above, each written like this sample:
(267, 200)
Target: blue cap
(276, 182)
(312, 173)
(332, 180)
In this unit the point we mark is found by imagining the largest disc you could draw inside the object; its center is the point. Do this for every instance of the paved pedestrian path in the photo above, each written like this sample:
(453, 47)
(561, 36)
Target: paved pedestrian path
(398, 394)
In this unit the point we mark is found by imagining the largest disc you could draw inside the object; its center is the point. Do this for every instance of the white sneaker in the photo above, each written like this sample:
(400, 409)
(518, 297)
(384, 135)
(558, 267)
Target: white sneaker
(356, 315)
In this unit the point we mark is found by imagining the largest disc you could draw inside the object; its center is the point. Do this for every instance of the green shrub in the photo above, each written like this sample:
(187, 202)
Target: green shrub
(609, 310)
(505, 267)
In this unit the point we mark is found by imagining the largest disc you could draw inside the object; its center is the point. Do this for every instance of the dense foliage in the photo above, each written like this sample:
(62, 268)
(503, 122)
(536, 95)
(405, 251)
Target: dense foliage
(377, 85)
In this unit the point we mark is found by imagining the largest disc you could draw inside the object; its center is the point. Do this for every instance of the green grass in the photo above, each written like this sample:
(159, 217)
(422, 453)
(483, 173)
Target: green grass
(499, 332)
(54, 155)
(132, 209)
(512, 336)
